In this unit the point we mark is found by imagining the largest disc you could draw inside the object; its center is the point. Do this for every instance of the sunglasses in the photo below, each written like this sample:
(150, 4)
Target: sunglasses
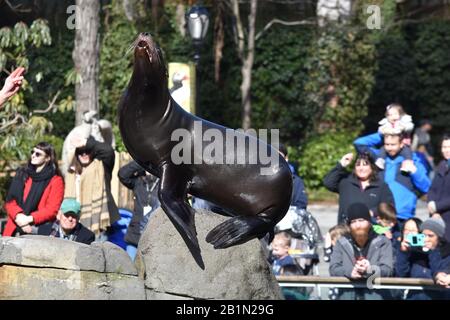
(37, 153)
(81, 151)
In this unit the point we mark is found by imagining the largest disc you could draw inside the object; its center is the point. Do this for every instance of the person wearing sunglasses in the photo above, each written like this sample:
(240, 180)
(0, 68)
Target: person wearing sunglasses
(35, 194)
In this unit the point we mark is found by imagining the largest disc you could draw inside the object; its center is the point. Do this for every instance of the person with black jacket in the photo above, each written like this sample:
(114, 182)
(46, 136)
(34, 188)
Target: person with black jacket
(299, 196)
(67, 224)
(88, 180)
(363, 185)
(439, 193)
(412, 261)
(145, 189)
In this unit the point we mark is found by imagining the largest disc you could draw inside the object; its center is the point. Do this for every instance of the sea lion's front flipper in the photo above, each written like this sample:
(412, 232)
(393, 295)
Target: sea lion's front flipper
(172, 195)
(238, 230)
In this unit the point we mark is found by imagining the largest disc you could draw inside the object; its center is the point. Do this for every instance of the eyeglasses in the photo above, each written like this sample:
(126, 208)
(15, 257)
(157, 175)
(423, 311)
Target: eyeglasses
(37, 153)
(81, 151)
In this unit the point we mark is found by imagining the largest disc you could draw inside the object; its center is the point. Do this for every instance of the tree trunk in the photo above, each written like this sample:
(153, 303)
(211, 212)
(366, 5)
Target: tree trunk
(247, 57)
(129, 7)
(86, 57)
(219, 38)
(181, 19)
(247, 68)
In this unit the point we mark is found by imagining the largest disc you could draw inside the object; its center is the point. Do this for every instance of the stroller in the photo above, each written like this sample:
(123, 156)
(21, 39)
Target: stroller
(306, 238)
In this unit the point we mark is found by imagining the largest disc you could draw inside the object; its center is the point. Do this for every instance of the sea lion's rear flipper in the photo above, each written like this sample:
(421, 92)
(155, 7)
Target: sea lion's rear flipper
(238, 230)
(172, 194)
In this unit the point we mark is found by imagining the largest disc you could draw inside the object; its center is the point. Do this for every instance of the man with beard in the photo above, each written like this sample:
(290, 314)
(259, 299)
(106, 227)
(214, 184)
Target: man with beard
(360, 254)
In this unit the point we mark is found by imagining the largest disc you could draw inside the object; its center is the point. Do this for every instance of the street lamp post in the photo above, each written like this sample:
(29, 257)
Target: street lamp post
(197, 22)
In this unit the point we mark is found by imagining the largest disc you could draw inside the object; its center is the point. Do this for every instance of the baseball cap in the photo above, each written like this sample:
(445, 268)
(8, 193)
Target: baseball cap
(70, 205)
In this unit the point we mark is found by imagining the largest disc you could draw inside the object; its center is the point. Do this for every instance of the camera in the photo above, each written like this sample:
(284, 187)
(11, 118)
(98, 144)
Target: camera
(416, 240)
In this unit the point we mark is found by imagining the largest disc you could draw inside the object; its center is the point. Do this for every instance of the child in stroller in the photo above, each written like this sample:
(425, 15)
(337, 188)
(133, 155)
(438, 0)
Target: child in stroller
(302, 230)
(305, 238)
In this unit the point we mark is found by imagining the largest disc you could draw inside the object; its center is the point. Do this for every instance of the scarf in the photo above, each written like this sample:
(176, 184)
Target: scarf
(90, 190)
(40, 181)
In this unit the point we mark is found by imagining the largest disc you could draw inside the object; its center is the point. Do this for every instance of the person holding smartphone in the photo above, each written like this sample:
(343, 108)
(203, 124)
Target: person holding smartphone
(439, 252)
(421, 259)
(411, 260)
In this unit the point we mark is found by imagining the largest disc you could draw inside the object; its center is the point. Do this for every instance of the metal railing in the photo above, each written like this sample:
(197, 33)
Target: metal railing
(319, 283)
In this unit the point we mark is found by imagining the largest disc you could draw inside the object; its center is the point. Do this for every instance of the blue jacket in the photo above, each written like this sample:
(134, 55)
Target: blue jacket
(403, 187)
(299, 197)
(440, 259)
(412, 265)
(285, 266)
(417, 264)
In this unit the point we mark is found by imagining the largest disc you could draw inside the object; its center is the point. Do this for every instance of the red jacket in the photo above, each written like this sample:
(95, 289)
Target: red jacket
(47, 208)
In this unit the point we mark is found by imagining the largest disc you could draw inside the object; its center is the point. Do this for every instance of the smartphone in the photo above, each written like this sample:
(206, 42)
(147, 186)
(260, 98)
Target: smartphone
(416, 240)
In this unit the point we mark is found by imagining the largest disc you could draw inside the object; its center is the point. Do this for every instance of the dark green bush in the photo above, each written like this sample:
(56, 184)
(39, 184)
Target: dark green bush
(320, 154)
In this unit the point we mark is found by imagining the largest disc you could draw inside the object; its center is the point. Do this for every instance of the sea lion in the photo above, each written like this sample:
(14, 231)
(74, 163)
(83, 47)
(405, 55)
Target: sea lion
(148, 118)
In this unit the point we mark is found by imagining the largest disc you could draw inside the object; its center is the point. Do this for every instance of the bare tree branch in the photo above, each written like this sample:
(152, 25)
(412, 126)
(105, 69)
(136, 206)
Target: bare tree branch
(286, 23)
(51, 104)
(12, 122)
(239, 34)
(17, 8)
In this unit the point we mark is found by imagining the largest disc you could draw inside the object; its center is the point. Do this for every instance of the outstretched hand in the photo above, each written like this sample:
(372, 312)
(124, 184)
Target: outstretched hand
(12, 84)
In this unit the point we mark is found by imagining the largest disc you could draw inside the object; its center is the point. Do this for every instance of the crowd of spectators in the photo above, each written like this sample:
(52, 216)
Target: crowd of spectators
(376, 230)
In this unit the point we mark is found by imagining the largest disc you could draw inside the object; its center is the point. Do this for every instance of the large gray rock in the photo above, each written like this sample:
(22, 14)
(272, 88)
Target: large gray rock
(51, 252)
(37, 267)
(239, 272)
(117, 260)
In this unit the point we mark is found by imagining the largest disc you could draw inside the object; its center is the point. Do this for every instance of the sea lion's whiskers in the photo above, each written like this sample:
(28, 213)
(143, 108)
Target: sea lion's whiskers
(131, 47)
(129, 50)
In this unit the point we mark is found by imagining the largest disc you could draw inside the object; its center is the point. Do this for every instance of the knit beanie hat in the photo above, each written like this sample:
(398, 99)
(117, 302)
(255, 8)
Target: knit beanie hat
(437, 225)
(358, 211)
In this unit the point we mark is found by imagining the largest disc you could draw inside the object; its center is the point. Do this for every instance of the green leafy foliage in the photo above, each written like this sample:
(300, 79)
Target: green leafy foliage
(320, 154)
(19, 128)
(341, 70)
(115, 60)
(414, 71)
(394, 78)
(431, 52)
(50, 67)
(279, 80)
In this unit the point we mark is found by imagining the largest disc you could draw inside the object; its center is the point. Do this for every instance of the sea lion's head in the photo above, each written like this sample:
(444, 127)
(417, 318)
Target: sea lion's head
(148, 58)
